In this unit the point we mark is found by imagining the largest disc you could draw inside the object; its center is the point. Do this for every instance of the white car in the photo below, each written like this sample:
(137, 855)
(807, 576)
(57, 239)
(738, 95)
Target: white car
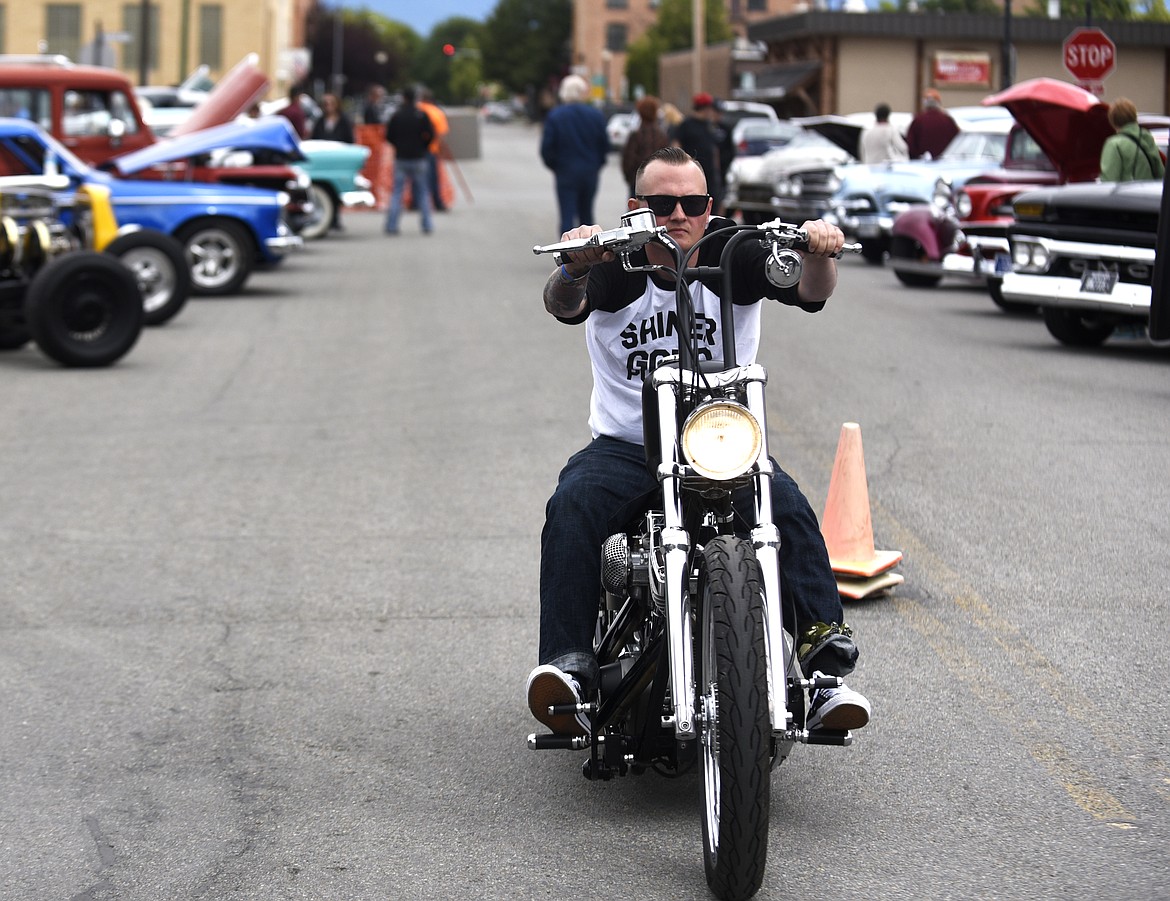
(620, 127)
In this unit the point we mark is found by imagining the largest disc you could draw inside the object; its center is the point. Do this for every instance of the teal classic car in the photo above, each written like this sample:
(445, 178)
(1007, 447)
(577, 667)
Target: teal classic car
(334, 169)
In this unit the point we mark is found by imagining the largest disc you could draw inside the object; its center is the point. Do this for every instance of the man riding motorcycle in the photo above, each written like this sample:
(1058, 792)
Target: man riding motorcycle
(630, 326)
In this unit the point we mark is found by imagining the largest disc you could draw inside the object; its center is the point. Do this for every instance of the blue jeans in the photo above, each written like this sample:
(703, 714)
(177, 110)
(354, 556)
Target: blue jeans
(575, 194)
(416, 171)
(593, 486)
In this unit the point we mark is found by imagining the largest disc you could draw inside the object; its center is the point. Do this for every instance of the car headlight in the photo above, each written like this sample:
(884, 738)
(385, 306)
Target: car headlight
(721, 440)
(282, 199)
(832, 183)
(963, 205)
(787, 187)
(941, 197)
(1030, 256)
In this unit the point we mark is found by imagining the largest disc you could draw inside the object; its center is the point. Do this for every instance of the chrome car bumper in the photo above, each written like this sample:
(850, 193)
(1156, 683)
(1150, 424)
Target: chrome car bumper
(282, 244)
(1068, 293)
(358, 198)
(1089, 278)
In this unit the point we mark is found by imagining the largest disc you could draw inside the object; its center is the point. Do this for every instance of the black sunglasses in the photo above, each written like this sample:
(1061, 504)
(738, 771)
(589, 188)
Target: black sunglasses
(663, 204)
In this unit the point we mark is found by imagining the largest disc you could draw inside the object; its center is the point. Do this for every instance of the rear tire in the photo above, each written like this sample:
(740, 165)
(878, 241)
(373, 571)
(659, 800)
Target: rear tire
(734, 731)
(84, 309)
(1076, 329)
(160, 268)
(324, 209)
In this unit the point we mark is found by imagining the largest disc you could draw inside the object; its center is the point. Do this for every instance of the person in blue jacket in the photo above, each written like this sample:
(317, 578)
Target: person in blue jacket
(574, 146)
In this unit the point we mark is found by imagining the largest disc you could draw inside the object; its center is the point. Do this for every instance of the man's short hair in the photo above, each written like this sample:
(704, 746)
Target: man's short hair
(672, 156)
(881, 112)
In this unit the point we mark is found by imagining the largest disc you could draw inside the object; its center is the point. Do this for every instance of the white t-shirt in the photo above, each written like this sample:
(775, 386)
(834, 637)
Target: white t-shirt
(631, 325)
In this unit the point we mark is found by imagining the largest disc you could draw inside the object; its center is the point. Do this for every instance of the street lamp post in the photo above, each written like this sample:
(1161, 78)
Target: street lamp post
(338, 43)
(699, 38)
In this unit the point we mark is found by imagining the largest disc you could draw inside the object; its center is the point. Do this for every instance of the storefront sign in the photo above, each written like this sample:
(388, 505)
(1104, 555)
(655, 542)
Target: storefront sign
(959, 69)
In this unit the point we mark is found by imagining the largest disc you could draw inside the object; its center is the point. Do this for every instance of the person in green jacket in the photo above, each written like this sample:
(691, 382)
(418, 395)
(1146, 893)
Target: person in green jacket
(1131, 154)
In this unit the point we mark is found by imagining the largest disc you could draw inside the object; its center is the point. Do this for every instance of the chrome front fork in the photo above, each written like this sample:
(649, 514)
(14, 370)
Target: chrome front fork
(766, 541)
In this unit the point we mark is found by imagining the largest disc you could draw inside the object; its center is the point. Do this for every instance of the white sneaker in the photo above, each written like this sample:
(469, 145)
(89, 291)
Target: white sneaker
(838, 709)
(549, 686)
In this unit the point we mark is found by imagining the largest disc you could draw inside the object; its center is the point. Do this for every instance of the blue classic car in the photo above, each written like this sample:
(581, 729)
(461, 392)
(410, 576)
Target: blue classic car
(226, 230)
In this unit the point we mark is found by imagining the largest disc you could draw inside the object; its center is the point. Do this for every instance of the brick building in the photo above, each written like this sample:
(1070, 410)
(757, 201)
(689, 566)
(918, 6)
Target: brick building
(182, 34)
(603, 29)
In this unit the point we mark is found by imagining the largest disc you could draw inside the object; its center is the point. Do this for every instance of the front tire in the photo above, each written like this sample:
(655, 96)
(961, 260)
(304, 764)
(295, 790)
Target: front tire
(1076, 329)
(160, 268)
(734, 731)
(84, 309)
(220, 255)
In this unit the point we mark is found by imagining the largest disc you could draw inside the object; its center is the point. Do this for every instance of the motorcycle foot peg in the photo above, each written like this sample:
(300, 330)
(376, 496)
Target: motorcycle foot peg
(835, 737)
(552, 742)
(571, 709)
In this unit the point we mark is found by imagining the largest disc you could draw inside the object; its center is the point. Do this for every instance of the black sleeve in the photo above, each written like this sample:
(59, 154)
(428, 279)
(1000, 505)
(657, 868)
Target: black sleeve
(749, 281)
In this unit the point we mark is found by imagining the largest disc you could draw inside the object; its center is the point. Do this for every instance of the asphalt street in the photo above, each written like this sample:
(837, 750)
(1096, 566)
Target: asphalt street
(268, 593)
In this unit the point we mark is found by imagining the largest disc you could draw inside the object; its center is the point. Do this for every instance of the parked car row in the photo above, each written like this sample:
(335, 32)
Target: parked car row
(97, 114)
(105, 228)
(1006, 205)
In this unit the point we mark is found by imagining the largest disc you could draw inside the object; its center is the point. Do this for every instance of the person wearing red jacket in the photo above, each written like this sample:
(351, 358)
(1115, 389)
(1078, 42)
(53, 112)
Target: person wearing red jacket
(932, 129)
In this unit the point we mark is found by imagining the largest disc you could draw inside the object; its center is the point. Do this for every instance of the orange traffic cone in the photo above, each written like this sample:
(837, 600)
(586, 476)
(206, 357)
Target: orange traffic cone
(847, 527)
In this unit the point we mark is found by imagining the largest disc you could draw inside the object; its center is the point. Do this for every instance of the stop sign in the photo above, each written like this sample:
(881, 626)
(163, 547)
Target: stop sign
(1089, 54)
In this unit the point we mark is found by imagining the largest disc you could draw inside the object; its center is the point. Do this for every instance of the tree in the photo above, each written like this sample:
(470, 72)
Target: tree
(673, 31)
(374, 49)
(1104, 10)
(526, 43)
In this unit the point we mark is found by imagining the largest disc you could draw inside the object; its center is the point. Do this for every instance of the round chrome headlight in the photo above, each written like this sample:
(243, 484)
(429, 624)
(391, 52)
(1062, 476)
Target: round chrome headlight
(722, 440)
(963, 205)
(941, 197)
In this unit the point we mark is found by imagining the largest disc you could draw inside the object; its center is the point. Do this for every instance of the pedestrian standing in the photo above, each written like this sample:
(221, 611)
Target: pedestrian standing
(334, 124)
(881, 142)
(373, 113)
(700, 137)
(409, 132)
(1131, 154)
(648, 138)
(574, 145)
(439, 123)
(295, 113)
(932, 129)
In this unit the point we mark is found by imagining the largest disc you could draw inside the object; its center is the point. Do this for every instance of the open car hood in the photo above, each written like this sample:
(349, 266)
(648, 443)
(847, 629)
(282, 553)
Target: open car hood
(1068, 123)
(235, 94)
(842, 131)
(270, 133)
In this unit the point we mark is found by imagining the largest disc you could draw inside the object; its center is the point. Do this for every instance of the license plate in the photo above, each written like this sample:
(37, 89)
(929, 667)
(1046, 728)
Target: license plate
(1098, 281)
(1003, 263)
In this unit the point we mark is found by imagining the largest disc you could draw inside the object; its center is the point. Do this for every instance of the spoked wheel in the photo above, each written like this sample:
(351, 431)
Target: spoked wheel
(734, 733)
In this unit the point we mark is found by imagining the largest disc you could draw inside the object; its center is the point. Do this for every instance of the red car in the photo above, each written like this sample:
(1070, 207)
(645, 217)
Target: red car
(964, 233)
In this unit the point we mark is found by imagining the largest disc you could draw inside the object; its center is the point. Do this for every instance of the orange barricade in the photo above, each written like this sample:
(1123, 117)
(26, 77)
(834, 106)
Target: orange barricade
(379, 168)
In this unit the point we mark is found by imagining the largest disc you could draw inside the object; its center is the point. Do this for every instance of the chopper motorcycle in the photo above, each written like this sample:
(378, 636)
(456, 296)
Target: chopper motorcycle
(696, 666)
